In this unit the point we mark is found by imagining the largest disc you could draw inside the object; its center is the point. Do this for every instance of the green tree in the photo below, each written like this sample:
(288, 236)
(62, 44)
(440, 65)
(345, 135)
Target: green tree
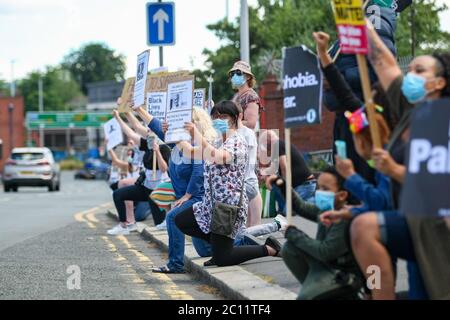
(95, 62)
(3, 88)
(60, 91)
(421, 21)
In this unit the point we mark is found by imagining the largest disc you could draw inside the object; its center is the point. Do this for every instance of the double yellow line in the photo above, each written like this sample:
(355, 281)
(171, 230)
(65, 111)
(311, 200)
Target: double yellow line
(167, 285)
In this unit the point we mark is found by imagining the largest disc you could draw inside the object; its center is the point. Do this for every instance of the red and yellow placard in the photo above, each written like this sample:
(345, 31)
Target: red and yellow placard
(349, 16)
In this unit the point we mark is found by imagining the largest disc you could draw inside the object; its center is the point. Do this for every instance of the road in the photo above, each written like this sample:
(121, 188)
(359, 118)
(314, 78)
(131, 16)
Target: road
(54, 246)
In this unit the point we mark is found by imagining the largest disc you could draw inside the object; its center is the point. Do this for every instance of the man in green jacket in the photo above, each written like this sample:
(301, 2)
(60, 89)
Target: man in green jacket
(317, 262)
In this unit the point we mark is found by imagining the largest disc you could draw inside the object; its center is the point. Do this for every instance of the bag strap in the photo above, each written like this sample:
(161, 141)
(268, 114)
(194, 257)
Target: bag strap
(241, 198)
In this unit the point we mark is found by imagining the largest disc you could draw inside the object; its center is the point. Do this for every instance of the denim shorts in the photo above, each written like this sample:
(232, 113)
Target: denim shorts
(252, 190)
(395, 235)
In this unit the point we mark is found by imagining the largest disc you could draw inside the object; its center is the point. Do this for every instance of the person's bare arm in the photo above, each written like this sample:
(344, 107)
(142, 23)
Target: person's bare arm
(136, 124)
(122, 165)
(382, 59)
(322, 40)
(283, 160)
(162, 164)
(126, 129)
(251, 115)
(147, 117)
(190, 151)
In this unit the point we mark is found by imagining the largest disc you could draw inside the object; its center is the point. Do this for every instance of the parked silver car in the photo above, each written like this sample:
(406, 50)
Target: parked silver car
(32, 167)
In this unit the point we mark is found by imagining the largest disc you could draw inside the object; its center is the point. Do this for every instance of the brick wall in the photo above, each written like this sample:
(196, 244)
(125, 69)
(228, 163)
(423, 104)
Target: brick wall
(18, 126)
(307, 139)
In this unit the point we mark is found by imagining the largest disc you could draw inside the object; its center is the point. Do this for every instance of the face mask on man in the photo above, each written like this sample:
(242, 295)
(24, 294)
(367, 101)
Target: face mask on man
(324, 200)
(413, 88)
(221, 126)
(237, 81)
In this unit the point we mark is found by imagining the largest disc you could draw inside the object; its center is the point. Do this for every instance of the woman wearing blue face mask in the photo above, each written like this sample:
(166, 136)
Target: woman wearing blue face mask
(243, 81)
(376, 236)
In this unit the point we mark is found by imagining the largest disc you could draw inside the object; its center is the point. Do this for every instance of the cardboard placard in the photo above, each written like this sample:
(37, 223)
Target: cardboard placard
(302, 84)
(127, 95)
(349, 16)
(425, 188)
(179, 109)
(158, 82)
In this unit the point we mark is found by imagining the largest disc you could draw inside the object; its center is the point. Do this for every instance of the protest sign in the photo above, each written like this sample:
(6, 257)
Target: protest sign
(199, 98)
(351, 26)
(179, 109)
(158, 82)
(302, 84)
(156, 104)
(127, 95)
(428, 161)
(113, 133)
(141, 79)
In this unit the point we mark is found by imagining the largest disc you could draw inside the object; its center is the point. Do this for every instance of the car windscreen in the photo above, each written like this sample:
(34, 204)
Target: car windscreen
(27, 156)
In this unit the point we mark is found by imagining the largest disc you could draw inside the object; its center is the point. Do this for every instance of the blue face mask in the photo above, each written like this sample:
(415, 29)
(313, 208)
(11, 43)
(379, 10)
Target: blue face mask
(221, 125)
(324, 200)
(413, 88)
(130, 159)
(237, 81)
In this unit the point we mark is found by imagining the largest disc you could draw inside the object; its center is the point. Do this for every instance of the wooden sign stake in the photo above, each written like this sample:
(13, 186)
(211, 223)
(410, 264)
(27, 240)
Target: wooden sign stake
(370, 106)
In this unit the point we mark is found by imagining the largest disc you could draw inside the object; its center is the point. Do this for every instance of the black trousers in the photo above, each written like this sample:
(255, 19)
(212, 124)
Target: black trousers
(224, 253)
(136, 193)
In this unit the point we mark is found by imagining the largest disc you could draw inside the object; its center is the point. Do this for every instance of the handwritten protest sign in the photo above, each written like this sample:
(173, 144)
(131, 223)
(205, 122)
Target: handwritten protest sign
(158, 82)
(113, 133)
(351, 26)
(179, 108)
(141, 79)
(127, 95)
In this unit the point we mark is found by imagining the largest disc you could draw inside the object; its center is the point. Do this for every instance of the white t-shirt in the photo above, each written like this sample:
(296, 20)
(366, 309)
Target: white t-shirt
(250, 137)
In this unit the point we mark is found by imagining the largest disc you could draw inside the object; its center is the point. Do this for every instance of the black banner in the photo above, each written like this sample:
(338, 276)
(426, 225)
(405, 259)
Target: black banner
(427, 182)
(302, 84)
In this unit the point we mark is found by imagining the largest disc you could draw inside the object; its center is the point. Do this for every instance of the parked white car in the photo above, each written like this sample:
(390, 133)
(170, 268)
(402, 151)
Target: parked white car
(31, 167)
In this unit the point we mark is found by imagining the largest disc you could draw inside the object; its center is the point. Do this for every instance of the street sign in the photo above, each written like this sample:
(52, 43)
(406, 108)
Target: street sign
(160, 23)
(64, 120)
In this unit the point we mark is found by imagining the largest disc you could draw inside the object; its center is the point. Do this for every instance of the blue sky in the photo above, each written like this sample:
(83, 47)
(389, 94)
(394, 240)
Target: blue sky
(36, 33)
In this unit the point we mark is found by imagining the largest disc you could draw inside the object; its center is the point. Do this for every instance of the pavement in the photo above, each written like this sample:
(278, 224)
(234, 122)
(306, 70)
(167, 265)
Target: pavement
(261, 279)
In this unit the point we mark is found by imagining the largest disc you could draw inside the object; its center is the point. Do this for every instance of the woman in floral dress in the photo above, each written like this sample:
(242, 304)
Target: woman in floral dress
(224, 168)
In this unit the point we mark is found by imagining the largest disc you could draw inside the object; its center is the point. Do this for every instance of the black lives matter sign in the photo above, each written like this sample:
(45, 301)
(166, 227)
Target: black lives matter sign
(302, 86)
(427, 182)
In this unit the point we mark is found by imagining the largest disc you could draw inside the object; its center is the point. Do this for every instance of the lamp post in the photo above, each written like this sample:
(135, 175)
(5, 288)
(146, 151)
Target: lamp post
(10, 112)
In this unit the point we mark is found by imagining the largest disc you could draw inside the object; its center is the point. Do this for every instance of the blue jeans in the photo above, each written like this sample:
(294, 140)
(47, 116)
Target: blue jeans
(305, 191)
(176, 237)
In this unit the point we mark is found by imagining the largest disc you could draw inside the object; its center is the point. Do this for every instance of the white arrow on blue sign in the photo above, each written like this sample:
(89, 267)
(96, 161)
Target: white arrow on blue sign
(160, 23)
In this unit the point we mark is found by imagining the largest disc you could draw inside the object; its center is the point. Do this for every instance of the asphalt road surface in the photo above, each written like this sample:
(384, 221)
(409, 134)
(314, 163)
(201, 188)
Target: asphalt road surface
(54, 246)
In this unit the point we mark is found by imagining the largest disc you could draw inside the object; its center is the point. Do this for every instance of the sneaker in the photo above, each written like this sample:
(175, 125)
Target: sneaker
(162, 226)
(281, 222)
(132, 227)
(118, 230)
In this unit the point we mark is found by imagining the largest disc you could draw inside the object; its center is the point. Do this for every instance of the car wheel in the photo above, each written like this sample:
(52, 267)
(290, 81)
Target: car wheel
(51, 186)
(6, 188)
(15, 189)
(58, 187)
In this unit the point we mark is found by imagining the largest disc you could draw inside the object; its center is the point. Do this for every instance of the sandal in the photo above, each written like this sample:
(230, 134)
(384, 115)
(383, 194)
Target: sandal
(274, 244)
(165, 269)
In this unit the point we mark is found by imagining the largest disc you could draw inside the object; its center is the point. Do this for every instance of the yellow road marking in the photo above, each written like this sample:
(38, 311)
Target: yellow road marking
(169, 287)
(131, 273)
